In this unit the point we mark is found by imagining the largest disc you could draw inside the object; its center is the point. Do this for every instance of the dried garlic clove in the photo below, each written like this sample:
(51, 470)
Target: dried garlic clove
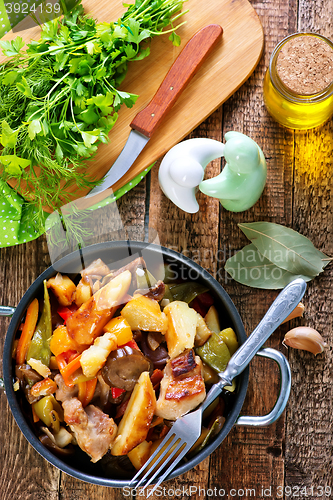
(306, 338)
(296, 313)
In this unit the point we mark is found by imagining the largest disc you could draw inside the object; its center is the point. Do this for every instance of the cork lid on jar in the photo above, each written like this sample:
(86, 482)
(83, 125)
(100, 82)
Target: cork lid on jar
(305, 64)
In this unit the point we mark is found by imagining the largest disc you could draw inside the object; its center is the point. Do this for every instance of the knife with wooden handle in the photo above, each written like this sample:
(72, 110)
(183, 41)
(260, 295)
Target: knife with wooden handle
(146, 121)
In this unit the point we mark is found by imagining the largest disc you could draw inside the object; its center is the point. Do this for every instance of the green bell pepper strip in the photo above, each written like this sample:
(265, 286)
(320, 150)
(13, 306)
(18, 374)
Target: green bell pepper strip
(184, 292)
(48, 410)
(229, 337)
(40, 343)
(214, 429)
(215, 352)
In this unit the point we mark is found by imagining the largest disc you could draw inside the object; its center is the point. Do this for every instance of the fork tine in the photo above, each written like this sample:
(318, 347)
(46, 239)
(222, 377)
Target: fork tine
(161, 466)
(147, 469)
(170, 468)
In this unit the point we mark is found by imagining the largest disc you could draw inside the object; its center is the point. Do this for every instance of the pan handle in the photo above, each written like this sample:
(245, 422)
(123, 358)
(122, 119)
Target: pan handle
(7, 310)
(285, 387)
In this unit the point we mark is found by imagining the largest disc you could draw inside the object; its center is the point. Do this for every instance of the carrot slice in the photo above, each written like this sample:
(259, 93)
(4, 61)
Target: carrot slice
(44, 387)
(61, 361)
(87, 391)
(68, 370)
(27, 332)
(34, 415)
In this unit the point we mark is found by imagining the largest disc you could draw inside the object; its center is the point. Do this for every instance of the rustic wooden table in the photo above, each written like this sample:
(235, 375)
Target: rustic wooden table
(293, 457)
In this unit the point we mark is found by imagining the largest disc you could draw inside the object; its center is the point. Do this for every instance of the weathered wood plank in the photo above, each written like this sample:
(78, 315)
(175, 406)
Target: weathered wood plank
(252, 459)
(196, 236)
(296, 451)
(310, 426)
(24, 475)
(73, 489)
(309, 431)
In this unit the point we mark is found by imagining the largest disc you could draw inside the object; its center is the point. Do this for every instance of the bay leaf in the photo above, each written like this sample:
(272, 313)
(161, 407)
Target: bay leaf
(326, 259)
(251, 268)
(285, 248)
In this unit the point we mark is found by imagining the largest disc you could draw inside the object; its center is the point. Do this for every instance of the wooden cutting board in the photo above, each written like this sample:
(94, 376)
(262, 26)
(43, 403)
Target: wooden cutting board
(227, 67)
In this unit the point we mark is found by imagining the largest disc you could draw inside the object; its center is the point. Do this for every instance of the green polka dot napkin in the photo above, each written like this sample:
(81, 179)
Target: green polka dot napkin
(4, 21)
(14, 222)
(14, 227)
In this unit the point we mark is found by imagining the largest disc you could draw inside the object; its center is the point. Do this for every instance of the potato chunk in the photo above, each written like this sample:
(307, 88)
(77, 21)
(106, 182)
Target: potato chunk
(182, 327)
(140, 454)
(93, 358)
(83, 293)
(134, 425)
(144, 313)
(88, 321)
(203, 332)
(63, 288)
(212, 320)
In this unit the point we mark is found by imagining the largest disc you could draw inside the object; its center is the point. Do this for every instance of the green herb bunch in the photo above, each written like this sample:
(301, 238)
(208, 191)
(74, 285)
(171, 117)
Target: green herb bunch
(59, 98)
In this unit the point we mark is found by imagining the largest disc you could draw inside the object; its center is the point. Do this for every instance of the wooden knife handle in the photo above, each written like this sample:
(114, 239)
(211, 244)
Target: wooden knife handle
(178, 76)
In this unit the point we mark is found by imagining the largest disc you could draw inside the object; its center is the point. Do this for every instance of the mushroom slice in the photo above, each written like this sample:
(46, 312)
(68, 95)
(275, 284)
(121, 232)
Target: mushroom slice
(124, 366)
(156, 292)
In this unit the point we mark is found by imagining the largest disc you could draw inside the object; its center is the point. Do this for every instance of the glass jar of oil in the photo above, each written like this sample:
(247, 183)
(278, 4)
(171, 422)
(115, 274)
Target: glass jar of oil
(298, 84)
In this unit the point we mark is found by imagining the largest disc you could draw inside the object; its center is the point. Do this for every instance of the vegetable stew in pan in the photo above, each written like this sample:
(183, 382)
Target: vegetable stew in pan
(109, 360)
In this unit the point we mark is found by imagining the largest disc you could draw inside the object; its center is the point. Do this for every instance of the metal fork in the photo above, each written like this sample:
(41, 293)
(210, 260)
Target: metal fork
(186, 430)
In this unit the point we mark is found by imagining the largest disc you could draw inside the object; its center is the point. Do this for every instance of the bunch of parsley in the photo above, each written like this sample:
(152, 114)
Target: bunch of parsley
(59, 98)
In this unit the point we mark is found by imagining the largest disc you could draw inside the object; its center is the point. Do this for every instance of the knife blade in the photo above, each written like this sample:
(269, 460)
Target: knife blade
(147, 120)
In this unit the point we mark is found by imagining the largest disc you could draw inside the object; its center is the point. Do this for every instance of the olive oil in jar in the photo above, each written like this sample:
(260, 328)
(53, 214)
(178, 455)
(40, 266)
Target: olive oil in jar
(298, 85)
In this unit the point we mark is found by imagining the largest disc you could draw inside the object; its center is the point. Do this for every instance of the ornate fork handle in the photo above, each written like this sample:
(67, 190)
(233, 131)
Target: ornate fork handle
(282, 306)
(7, 311)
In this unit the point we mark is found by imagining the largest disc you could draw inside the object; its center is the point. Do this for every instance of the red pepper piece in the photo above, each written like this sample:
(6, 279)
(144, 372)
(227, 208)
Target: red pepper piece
(156, 378)
(116, 392)
(195, 304)
(132, 344)
(206, 300)
(202, 303)
(66, 312)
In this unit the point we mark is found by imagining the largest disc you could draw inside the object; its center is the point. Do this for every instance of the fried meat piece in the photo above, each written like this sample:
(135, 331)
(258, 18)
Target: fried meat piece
(182, 388)
(94, 430)
(63, 393)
